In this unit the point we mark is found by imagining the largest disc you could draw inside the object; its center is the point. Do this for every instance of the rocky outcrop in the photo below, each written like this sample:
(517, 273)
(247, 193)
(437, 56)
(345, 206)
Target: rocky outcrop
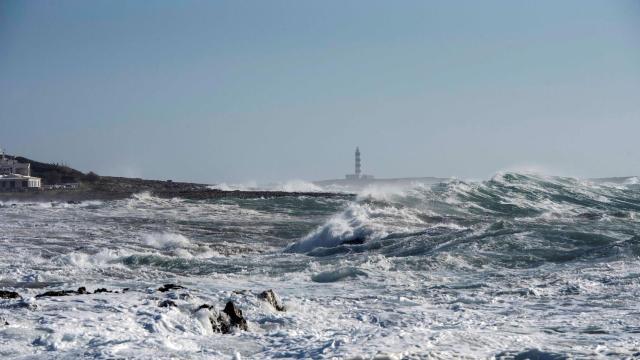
(9, 295)
(273, 299)
(205, 306)
(81, 291)
(227, 320)
(167, 303)
(218, 323)
(167, 287)
(236, 319)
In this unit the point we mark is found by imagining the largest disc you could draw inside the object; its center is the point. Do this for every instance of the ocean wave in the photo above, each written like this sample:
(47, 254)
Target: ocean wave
(338, 275)
(296, 186)
(359, 223)
(248, 186)
(513, 219)
(166, 241)
(459, 269)
(83, 260)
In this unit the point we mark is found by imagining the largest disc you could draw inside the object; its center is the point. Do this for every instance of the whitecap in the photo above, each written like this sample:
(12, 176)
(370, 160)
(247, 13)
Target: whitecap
(166, 241)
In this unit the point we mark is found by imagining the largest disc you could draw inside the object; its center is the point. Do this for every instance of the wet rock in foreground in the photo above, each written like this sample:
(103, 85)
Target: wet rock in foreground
(167, 303)
(530, 354)
(225, 321)
(9, 295)
(81, 291)
(273, 299)
(236, 319)
(167, 287)
(205, 306)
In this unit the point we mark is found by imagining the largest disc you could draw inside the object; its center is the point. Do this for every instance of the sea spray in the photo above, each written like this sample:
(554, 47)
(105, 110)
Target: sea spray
(469, 269)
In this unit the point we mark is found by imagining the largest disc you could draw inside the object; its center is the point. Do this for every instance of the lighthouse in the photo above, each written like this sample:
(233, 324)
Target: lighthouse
(358, 169)
(358, 175)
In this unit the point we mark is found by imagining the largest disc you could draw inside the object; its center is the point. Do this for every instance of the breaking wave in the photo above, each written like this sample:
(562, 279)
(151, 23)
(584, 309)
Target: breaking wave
(457, 269)
(512, 220)
(288, 186)
(166, 241)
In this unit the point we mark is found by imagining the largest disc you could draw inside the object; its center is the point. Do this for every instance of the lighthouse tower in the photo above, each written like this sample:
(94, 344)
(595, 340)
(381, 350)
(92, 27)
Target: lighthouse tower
(358, 168)
(358, 175)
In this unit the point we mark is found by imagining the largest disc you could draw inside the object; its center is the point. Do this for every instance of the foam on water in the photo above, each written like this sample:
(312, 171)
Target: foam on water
(519, 265)
(166, 241)
(295, 185)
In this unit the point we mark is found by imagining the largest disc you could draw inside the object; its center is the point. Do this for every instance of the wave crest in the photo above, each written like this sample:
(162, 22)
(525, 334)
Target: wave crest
(513, 218)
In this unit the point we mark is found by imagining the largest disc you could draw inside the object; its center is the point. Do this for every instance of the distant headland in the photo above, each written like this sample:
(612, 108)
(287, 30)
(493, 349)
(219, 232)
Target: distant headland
(28, 180)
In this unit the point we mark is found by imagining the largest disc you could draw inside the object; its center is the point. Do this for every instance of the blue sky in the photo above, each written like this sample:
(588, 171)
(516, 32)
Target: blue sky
(271, 90)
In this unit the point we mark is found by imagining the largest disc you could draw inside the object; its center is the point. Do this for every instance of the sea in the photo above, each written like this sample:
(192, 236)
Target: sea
(519, 266)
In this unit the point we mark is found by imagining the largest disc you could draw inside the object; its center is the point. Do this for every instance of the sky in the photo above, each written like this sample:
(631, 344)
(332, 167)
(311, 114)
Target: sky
(237, 91)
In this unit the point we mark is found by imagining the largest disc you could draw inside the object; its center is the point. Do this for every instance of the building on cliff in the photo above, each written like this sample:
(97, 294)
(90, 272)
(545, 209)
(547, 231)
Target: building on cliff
(358, 175)
(16, 176)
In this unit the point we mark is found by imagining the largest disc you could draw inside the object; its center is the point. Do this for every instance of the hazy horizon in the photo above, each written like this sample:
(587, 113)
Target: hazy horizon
(268, 91)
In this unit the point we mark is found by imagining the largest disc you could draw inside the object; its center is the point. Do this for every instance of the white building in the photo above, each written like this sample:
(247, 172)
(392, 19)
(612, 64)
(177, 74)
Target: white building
(12, 166)
(16, 176)
(17, 182)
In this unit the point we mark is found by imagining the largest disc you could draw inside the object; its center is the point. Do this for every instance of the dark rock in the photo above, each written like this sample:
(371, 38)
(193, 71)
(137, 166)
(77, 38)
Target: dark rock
(225, 321)
(530, 354)
(102, 290)
(167, 303)
(57, 293)
(9, 295)
(81, 291)
(220, 324)
(236, 319)
(167, 287)
(273, 299)
(205, 306)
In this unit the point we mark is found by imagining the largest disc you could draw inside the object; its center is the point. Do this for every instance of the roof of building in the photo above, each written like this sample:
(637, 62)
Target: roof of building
(16, 176)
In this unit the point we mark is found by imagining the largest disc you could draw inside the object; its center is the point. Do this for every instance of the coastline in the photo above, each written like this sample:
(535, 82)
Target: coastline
(117, 188)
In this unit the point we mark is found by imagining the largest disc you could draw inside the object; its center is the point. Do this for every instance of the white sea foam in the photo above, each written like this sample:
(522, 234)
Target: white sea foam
(296, 186)
(443, 273)
(247, 186)
(84, 260)
(166, 241)
(360, 222)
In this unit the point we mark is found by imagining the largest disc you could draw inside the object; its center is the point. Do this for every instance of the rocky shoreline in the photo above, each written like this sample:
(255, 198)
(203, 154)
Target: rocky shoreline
(225, 321)
(116, 188)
